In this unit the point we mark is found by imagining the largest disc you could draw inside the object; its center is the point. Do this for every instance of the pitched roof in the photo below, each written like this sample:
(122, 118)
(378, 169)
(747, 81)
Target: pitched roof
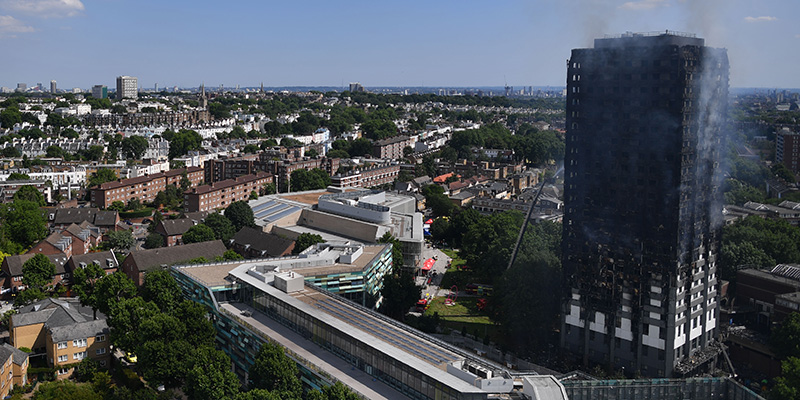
(147, 260)
(79, 232)
(55, 313)
(79, 330)
(267, 243)
(100, 258)
(15, 262)
(66, 216)
(177, 226)
(6, 353)
(19, 355)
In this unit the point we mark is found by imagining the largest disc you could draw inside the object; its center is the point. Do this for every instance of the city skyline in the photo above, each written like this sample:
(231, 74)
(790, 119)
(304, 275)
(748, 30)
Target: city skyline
(84, 43)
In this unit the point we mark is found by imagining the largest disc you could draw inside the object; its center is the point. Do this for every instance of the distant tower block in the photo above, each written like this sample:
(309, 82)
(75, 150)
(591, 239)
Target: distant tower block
(356, 87)
(643, 208)
(53, 88)
(127, 87)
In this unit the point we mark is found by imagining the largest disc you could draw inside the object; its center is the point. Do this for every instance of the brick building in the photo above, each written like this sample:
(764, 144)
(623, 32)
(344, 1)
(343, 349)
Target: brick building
(145, 188)
(787, 149)
(367, 177)
(63, 332)
(276, 162)
(391, 148)
(219, 195)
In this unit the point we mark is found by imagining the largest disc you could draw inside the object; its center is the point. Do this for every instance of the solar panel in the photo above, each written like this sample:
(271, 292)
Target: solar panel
(263, 206)
(396, 337)
(275, 217)
(272, 210)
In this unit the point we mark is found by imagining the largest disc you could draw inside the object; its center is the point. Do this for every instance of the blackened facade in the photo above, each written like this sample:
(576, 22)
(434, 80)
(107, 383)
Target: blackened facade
(642, 202)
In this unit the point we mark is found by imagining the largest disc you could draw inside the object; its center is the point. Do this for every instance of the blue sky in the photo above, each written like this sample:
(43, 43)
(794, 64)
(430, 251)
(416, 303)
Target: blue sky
(378, 43)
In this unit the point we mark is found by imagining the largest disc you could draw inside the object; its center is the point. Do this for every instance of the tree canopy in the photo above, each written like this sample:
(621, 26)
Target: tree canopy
(30, 193)
(198, 233)
(102, 176)
(306, 240)
(38, 272)
(240, 214)
(302, 179)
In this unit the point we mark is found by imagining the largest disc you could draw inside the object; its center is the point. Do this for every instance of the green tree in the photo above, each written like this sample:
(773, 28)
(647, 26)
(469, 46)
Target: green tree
(222, 227)
(112, 289)
(306, 240)
(163, 351)
(16, 176)
(399, 293)
(30, 193)
(268, 188)
(11, 152)
(302, 180)
(229, 255)
(38, 272)
(153, 241)
(527, 309)
(785, 340)
(9, 117)
(274, 371)
(251, 149)
(210, 376)
(55, 152)
(65, 390)
(116, 205)
(182, 142)
(787, 386)
(84, 284)
(240, 214)
(124, 319)
(120, 240)
(23, 225)
(102, 176)
(397, 249)
(337, 154)
(133, 147)
(198, 233)
(161, 288)
(360, 147)
(339, 391)
(760, 241)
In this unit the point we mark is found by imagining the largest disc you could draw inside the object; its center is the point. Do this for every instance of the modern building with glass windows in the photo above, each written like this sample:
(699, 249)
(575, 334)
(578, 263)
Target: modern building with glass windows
(269, 300)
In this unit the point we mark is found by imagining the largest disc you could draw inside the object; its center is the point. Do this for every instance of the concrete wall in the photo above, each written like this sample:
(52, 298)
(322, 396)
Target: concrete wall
(352, 211)
(349, 227)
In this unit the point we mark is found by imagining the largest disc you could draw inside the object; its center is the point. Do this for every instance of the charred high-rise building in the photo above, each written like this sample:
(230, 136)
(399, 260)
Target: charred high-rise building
(643, 211)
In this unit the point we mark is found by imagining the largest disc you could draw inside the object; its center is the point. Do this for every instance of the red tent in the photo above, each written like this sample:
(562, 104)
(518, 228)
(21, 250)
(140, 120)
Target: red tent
(429, 221)
(428, 264)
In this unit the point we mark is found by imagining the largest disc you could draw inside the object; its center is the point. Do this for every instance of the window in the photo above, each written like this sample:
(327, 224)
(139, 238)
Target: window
(62, 345)
(63, 358)
(79, 343)
(79, 355)
(100, 351)
(63, 371)
(100, 338)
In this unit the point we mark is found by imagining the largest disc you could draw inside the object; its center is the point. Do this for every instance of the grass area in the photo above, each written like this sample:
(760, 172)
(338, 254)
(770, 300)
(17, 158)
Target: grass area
(464, 316)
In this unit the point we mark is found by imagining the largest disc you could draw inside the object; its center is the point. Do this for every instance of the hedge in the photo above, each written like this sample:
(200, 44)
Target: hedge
(145, 212)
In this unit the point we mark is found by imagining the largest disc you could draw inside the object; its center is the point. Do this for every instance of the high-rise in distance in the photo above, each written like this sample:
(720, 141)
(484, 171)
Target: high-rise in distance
(127, 87)
(643, 202)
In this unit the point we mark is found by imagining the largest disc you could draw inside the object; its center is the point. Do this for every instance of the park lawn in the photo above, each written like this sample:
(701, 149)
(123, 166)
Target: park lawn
(456, 259)
(463, 316)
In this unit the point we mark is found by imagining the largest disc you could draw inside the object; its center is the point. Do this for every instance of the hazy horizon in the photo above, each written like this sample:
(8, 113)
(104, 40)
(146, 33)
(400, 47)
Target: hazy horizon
(80, 43)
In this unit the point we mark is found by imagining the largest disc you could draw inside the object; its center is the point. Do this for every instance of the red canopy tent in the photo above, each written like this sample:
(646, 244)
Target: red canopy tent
(428, 264)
